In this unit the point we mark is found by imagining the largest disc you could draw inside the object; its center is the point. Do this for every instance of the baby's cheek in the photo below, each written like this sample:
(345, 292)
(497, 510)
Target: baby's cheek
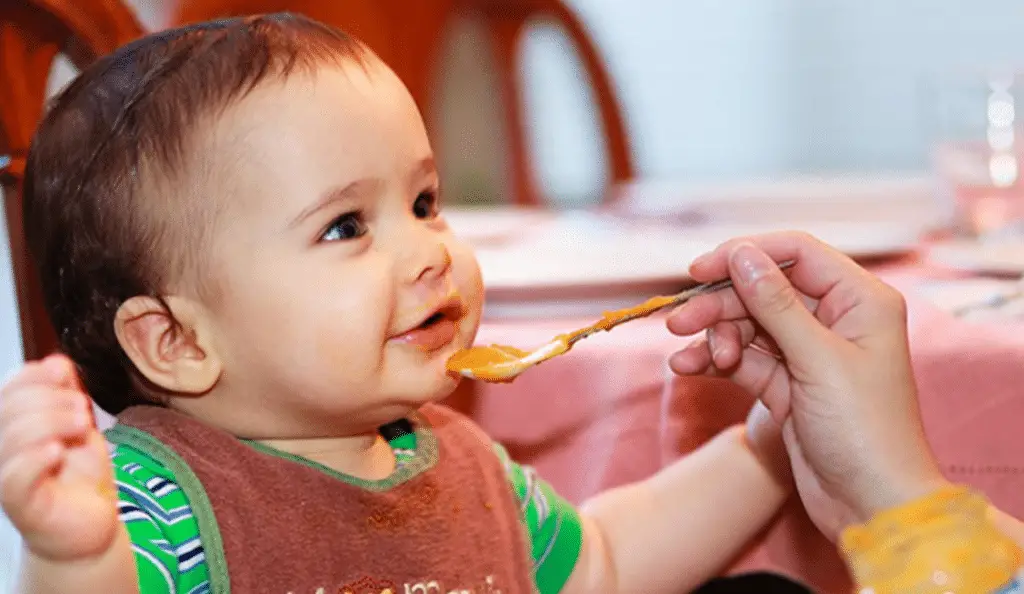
(349, 336)
(471, 290)
(466, 274)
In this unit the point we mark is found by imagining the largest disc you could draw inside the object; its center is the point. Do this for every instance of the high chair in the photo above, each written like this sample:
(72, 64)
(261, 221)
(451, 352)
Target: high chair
(32, 34)
(409, 35)
(507, 22)
(401, 33)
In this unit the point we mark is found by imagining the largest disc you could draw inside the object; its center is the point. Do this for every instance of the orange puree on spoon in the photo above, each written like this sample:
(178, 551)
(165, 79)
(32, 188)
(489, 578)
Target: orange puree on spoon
(501, 364)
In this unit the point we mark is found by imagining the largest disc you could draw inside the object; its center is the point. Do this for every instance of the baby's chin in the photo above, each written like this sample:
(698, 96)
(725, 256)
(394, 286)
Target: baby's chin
(448, 386)
(423, 375)
(443, 381)
(434, 390)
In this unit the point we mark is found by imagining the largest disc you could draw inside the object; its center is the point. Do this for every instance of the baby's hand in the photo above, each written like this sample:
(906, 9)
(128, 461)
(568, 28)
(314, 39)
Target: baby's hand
(56, 483)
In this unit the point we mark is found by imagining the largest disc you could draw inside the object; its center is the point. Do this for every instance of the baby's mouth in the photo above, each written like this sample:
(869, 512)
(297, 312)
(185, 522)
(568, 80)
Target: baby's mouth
(436, 331)
(434, 319)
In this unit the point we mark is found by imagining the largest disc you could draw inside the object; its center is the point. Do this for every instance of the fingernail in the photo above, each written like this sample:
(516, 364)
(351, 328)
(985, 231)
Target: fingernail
(713, 345)
(701, 259)
(750, 262)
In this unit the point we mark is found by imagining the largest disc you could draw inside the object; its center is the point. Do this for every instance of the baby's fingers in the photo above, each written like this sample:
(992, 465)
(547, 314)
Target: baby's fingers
(32, 373)
(34, 399)
(61, 370)
(21, 476)
(38, 427)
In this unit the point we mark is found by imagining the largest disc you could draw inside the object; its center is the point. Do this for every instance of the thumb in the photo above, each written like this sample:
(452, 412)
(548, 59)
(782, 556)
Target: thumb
(61, 371)
(773, 301)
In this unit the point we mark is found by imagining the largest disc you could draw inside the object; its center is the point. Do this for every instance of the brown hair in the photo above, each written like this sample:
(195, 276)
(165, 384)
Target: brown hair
(107, 197)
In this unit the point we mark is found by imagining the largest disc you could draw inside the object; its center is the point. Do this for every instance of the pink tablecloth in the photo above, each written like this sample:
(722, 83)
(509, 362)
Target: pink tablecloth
(611, 412)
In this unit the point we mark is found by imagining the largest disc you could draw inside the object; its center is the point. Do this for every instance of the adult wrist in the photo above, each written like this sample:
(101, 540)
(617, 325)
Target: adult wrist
(888, 494)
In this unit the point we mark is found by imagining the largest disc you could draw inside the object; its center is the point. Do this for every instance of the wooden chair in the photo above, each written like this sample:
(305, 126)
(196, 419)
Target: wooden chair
(32, 34)
(507, 22)
(402, 32)
(408, 35)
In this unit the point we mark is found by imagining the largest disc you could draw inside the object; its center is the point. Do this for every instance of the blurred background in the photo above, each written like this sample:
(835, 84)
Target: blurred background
(709, 92)
(913, 98)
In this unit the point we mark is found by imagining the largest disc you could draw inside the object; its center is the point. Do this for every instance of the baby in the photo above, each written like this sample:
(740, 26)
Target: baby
(239, 233)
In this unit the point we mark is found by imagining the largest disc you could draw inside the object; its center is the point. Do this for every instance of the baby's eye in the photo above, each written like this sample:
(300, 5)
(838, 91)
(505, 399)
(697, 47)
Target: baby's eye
(348, 226)
(426, 205)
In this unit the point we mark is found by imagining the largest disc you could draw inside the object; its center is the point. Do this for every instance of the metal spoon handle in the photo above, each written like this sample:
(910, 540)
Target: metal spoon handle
(679, 299)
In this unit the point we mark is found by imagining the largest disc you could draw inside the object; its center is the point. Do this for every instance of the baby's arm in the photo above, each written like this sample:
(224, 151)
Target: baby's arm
(57, 487)
(677, 529)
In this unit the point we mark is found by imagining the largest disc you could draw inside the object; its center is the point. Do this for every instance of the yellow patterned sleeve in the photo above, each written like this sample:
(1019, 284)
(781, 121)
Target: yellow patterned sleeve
(940, 544)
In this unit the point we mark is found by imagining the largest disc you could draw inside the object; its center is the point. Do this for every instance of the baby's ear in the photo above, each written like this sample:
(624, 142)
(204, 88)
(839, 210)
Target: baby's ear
(170, 345)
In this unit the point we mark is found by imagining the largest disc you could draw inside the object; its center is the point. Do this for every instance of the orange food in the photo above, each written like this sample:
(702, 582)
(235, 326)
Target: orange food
(481, 359)
(497, 363)
(610, 319)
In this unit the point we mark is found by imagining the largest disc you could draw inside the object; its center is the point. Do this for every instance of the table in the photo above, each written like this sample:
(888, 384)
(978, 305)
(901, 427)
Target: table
(611, 412)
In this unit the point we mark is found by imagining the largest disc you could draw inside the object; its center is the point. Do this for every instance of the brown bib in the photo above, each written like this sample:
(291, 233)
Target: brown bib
(446, 522)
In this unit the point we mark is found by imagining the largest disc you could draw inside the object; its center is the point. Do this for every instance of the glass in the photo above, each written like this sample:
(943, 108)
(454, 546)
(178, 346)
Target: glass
(978, 149)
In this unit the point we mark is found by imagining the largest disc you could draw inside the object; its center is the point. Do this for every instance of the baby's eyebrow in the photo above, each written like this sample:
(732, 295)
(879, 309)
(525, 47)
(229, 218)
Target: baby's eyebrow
(362, 187)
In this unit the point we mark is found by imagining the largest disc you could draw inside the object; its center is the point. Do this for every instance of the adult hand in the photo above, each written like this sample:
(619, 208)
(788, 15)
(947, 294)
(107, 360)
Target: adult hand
(826, 350)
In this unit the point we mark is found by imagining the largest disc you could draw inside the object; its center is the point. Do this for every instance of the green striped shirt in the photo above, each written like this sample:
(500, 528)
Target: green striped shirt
(169, 553)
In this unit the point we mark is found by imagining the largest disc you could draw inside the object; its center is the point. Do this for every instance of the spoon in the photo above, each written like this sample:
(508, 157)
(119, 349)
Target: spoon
(501, 364)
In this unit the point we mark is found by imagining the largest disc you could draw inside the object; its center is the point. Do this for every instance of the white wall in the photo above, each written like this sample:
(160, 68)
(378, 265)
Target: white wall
(752, 88)
(10, 359)
(10, 329)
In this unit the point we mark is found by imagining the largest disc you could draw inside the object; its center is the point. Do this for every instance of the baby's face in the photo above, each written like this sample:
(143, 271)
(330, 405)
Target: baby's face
(332, 254)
